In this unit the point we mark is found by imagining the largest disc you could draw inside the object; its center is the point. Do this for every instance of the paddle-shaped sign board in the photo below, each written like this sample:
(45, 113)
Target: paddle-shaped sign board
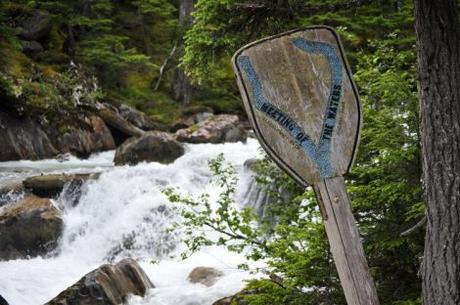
(302, 102)
(304, 108)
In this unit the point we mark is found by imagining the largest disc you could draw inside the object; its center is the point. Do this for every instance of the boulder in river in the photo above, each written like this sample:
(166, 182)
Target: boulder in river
(29, 227)
(153, 146)
(207, 276)
(51, 185)
(215, 129)
(106, 285)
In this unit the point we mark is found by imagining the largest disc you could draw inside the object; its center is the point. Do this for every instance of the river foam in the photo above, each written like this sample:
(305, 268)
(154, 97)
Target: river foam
(124, 214)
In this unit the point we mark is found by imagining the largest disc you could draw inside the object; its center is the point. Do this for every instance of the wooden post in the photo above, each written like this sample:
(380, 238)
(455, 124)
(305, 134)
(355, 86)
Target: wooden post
(345, 242)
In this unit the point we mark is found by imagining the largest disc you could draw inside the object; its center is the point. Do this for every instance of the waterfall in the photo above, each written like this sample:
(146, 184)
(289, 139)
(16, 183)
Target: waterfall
(124, 214)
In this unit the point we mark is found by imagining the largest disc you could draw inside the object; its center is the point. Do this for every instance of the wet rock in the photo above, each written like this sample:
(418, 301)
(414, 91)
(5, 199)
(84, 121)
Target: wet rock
(236, 299)
(207, 276)
(26, 138)
(3, 301)
(10, 192)
(153, 146)
(120, 128)
(11, 187)
(36, 27)
(29, 227)
(52, 185)
(106, 285)
(139, 119)
(215, 129)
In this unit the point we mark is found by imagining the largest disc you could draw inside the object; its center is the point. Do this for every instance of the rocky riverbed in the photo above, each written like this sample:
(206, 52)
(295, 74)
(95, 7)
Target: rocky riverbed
(109, 213)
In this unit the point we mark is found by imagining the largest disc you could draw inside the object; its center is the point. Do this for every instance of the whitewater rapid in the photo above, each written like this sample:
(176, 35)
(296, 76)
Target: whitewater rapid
(124, 214)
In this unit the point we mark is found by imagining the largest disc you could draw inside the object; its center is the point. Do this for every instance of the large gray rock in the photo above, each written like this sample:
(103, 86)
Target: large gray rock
(190, 116)
(106, 285)
(29, 227)
(207, 276)
(36, 27)
(121, 129)
(95, 136)
(51, 185)
(26, 138)
(153, 146)
(215, 129)
(139, 119)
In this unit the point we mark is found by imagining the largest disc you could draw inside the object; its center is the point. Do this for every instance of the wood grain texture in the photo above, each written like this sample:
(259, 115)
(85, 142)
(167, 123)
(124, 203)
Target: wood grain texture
(299, 84)
(345, 242)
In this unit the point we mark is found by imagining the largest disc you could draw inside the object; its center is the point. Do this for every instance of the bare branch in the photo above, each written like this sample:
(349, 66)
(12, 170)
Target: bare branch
(417, 226)
(163, 66)
(232, 235)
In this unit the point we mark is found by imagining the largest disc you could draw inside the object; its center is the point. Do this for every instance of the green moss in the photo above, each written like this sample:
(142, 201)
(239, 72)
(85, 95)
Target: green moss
(63, 129)
(14, 62)
(56, 40)
(193, 128)
(54, 57)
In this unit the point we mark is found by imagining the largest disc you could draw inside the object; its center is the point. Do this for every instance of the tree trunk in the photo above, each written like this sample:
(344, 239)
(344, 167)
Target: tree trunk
(182, 87)
(438, 47)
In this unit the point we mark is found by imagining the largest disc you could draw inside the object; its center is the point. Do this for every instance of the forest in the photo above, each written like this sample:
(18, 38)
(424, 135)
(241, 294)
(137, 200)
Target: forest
(83, 80)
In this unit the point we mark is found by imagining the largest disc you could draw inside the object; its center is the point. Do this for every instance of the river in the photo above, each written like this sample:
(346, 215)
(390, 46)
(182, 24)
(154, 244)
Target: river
(124, 214)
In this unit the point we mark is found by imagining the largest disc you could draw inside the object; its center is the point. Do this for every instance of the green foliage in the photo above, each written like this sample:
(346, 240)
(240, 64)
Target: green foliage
(223, 26)
(237, 228)
(386, 182)
(385, 187)
(294, 247)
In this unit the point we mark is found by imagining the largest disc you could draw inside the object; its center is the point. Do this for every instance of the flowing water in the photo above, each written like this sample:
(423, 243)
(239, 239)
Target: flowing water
(124, 214)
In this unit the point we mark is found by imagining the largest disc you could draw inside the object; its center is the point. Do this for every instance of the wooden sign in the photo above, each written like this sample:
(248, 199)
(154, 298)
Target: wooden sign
(300, 98)
(302, 102)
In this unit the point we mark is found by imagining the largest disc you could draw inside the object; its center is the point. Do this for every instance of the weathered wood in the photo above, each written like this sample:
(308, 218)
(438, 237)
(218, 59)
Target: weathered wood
(345, 242)
(301, 100)
(303, 105)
